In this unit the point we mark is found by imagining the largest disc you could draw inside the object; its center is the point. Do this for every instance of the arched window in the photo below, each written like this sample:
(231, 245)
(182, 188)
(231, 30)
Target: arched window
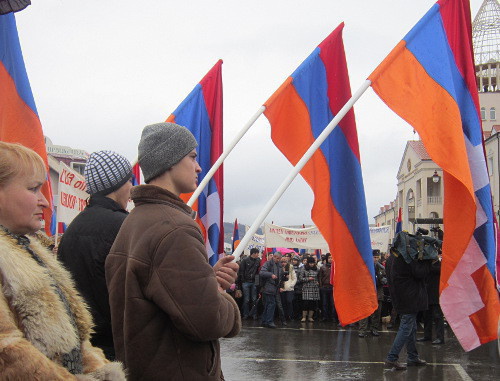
(493, 113)
(483, 113)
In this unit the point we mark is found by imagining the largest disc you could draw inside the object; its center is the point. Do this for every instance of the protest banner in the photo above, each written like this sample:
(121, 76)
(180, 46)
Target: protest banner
(257, 241)
(380, 237)
(72, 195)
(306, 238)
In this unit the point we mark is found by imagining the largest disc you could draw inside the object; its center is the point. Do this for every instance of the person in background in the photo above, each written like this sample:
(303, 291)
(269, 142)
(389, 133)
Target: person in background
(374, 319)
(271, 274)
(45, 326)
(297, 289)
(433, 314)
(169, 307)
(409, 296)
(326, 290)
(249, 267)
(288, 293)
(88, 239)
(310, 289)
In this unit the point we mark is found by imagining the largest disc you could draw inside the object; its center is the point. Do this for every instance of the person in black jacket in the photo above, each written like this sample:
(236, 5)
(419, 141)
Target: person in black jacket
(248, 269)
(88, 239)
(434, 313)
(409, 296)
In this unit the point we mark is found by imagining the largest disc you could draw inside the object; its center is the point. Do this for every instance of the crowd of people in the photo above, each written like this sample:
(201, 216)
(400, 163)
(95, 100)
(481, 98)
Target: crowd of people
(287, 287)
(118, 301)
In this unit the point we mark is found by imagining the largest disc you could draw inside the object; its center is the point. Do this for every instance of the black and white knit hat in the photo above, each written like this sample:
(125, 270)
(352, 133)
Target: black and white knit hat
(106, 171)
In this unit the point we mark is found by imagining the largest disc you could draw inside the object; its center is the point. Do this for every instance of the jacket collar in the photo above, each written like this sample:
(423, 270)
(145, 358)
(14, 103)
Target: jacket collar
(152, 194)
(104, 202)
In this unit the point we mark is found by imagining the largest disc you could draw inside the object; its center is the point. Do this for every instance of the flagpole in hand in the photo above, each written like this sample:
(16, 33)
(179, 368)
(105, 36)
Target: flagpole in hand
(223, 156)
(302, 162)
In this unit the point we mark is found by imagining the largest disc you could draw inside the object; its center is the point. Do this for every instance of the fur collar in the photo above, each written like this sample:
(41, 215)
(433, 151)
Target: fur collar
(38, 311)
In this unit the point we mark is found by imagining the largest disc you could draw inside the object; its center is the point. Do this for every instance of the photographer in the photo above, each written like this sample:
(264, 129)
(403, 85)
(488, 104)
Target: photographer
(406, 269)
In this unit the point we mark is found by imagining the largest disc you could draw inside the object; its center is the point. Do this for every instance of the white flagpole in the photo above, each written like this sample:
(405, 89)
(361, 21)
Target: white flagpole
(302, 162)
(223, 156)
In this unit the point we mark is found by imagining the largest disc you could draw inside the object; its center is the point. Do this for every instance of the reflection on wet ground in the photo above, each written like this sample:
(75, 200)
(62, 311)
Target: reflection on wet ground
(321, 351)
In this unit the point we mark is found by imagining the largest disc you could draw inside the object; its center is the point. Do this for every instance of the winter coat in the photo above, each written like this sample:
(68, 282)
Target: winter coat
(35, 325)
(83, 251)
(249, 267)
(407, 283)
(298, 284)
(288, 285)
(324, 276)
(381, 280)
(270, 285)
(166, 309)
(432, 283)
(310, 288)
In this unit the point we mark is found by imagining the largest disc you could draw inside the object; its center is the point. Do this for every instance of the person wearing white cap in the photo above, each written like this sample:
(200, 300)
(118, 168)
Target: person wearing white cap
(88, 239)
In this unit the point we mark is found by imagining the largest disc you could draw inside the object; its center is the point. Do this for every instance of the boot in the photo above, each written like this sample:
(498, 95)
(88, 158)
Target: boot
(304, 316)
(311, 313)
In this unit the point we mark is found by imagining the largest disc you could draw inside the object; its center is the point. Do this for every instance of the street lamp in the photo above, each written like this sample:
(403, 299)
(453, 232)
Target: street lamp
(435, 177)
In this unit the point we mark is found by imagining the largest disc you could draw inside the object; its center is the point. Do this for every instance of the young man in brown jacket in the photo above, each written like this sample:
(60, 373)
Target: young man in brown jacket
(168, 305)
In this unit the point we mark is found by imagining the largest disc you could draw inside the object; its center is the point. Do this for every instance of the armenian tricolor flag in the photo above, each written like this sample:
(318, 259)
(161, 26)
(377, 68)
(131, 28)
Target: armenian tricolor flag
(201, 113)
(399, 222)
(136, 174)
(429, 80)
(236, 235)
(19, 122)
(298, 112)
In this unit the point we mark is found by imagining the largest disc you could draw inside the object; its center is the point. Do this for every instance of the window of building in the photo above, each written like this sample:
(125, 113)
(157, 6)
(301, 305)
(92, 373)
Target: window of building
(493, 113)
(490, 166)
(483, 113)
(78, 167)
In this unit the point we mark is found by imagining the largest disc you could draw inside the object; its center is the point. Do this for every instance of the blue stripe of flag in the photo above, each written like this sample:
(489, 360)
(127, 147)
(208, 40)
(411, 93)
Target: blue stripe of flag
(346, 188)
(12, 58)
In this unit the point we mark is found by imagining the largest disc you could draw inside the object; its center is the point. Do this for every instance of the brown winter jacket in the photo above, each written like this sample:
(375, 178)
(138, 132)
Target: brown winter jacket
(35, 327)
(167, 313)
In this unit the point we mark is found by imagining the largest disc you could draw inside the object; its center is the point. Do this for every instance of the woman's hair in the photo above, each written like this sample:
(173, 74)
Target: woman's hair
(16, 160)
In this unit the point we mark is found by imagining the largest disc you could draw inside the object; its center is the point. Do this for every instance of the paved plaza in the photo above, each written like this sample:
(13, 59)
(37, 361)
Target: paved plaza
(321, 351)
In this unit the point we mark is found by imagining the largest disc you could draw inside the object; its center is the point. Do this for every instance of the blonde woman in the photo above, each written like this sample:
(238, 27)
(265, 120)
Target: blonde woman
(44, 324)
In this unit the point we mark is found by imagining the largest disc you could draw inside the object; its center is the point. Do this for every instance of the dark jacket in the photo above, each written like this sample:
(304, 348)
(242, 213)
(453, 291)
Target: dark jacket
(270, 268)
(166, 309)
(248, 269)
(83, 250)
(324, 276)
(380, 279)
(407, 284)
(432, 283)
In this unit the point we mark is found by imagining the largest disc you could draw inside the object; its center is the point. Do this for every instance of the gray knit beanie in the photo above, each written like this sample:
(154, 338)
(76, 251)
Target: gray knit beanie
(106, 171)
(162, 145)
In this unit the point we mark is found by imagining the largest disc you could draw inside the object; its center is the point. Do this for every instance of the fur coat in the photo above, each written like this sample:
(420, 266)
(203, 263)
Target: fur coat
(35, 328)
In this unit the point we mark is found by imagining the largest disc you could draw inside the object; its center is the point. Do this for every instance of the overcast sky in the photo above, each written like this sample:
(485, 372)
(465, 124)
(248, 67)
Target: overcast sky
(102, 70)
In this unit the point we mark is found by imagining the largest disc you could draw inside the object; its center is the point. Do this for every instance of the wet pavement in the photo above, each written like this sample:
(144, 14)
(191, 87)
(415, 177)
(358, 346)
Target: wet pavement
(322, 351)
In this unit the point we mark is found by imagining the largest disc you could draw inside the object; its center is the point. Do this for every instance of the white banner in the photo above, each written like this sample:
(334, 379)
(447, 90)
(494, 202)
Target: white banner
(72, 195)
(257, 241)
(307, 238)
(380, 237)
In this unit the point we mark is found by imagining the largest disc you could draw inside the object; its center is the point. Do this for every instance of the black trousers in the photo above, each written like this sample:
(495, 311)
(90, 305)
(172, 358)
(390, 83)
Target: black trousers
(434, 314)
